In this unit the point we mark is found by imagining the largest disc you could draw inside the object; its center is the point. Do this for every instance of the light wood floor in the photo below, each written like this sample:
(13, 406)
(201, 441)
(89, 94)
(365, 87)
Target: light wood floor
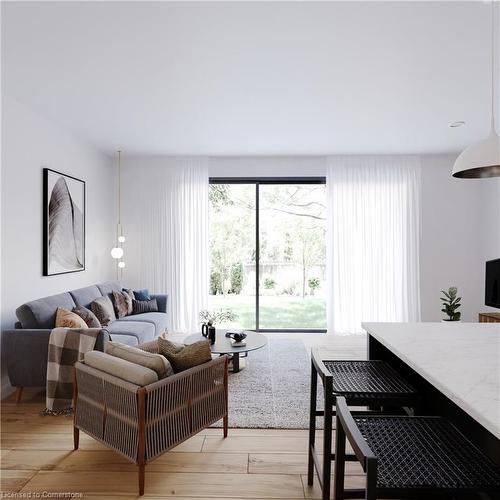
(37, 456)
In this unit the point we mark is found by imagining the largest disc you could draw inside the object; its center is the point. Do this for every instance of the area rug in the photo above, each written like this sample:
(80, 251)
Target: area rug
(272, 392)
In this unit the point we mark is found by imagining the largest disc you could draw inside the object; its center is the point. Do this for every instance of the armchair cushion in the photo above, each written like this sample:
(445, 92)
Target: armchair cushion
(188, 357)
(155, 362)
(126, 370)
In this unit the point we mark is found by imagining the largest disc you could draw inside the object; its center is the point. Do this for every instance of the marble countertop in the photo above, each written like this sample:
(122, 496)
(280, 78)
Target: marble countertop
(462, 360)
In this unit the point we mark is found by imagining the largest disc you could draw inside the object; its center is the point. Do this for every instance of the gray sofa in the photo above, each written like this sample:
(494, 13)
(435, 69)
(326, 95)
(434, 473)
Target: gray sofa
(24, 349)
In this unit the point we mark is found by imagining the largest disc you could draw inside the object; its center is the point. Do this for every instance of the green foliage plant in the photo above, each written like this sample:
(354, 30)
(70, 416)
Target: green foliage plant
(451, 303)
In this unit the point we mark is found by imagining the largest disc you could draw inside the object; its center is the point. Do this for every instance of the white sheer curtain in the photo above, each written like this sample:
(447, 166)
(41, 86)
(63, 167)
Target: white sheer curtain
(173, 201)
(373, 234)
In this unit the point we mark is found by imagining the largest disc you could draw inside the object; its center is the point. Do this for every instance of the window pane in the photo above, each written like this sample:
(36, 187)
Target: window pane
(292, 256)
(232, 252)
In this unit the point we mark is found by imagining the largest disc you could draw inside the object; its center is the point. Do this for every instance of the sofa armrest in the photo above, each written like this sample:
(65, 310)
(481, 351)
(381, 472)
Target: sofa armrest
(161, 300)
(24, 353)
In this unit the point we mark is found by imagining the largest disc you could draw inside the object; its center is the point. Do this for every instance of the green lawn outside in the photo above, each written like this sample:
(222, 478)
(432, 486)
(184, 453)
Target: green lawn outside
(280, 312)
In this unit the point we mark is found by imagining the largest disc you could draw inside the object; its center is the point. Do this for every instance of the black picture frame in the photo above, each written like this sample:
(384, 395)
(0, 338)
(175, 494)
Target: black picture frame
(75, 210)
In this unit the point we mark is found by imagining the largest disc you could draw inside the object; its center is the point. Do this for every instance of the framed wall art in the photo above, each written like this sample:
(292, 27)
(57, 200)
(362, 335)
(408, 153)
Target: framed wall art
(63, 223)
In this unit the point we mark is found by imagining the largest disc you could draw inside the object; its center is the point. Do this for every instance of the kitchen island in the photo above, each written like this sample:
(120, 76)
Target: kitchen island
(455, 367)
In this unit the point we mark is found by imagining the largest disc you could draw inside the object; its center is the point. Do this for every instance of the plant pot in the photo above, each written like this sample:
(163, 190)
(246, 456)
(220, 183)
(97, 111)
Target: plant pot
(451, 321)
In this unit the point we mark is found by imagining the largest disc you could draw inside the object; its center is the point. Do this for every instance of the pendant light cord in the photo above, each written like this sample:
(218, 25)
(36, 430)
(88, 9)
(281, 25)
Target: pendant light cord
(493, 16)
(119, 189)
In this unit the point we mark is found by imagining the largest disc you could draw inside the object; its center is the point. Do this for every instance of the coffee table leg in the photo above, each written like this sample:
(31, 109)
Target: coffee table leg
(236, 362)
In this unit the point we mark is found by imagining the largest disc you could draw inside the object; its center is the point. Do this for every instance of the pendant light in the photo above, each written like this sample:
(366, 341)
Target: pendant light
(483, 158)
(117, 251)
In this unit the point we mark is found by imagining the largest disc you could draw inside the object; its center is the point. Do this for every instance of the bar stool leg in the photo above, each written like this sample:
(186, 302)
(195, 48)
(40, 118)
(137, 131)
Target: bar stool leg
(327, 438)
(312, 424)
(338, 476)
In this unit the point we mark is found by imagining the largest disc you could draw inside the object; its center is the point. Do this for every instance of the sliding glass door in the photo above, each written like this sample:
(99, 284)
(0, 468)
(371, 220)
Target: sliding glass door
(268, 236)
(232, 252)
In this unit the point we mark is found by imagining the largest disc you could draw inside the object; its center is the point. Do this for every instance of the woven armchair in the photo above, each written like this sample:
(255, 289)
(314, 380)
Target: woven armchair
(142, 423)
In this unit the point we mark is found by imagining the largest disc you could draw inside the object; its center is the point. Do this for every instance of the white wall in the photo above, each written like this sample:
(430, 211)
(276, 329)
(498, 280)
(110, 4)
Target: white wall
(450, 248)
(490, 224)
(259, 166)
(460, 221)
(30, 143)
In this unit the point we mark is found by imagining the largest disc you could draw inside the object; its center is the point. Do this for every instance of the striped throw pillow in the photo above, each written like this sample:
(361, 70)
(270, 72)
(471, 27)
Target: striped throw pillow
(144, 306)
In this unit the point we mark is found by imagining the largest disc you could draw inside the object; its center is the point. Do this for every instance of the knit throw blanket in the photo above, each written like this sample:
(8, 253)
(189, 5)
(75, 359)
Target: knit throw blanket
(66, 347)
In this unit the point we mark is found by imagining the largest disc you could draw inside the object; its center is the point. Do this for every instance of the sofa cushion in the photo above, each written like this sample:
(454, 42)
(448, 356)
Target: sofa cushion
(104, 310)
(122, 302)
(88, 316)
(107, 287)
(158, 319)
(161, 300)
(142, 294)
(68, 319)
(84, 296)
(142, 330)
(41, 313)
(130, 294)
(155, 362)
(131, 372)
(144, 306)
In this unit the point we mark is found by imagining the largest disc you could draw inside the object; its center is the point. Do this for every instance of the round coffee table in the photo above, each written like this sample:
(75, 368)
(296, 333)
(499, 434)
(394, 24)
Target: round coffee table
(223, 345)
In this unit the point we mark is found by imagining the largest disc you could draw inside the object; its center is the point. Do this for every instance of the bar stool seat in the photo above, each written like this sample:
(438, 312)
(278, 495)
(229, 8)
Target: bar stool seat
(406, 455)
(362, 383)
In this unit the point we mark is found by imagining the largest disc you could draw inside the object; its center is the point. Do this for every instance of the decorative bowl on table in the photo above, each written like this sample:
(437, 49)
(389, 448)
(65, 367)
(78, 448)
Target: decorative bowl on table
(237, 336)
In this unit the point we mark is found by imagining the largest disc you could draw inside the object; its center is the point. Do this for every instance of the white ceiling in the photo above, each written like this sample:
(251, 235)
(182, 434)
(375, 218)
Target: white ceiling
(254, 78)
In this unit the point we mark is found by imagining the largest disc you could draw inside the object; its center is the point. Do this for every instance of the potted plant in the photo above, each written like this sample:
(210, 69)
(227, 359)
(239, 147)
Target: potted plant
(217, 316)
(451, 303)
(209, 318)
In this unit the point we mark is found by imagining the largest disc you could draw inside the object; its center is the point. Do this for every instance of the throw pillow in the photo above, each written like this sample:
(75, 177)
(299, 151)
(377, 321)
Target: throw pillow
(142, 294)
(155, 362)
(122, 301)
(144, 306)
(88, 316)
(103, 309)
(188, 357)
(68, 319)
(130, 293)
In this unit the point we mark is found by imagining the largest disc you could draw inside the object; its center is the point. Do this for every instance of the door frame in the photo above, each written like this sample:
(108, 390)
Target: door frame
(258, 181)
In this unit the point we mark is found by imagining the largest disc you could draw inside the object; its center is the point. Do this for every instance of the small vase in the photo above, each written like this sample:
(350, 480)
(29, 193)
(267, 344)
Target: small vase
(211, 334)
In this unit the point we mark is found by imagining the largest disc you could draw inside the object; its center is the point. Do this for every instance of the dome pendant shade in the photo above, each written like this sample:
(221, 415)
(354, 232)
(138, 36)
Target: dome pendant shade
(479, 160)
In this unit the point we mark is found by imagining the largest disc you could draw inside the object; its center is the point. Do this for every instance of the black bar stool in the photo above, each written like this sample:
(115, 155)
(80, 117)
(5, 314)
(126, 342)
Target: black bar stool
(362, 383)
(411, 457)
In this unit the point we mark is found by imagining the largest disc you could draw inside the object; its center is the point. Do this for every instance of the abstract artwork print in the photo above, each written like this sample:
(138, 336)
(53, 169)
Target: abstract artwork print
(64, 223)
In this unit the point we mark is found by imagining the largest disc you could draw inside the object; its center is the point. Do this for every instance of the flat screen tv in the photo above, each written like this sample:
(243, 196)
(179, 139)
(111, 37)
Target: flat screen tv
(492, 289)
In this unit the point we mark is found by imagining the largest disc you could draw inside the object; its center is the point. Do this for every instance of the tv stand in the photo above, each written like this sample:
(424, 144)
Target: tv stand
(489, 317)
